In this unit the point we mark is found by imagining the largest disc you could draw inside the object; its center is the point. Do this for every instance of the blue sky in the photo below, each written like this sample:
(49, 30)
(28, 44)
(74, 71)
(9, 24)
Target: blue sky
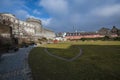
(62, 15)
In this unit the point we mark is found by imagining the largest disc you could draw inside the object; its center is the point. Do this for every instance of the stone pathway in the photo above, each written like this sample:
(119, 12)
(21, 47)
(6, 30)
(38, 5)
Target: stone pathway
(61, 58)
(14, 66)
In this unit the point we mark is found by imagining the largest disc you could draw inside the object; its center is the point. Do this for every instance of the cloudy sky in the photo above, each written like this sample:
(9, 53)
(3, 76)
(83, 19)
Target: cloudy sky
(62, 15)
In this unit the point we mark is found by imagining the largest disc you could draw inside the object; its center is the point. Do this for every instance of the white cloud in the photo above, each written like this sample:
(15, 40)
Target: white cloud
(36, 12)
(55, 6)
(107, 11)
(22, 14)
(45, 21)
(84, 14)
(66, 13)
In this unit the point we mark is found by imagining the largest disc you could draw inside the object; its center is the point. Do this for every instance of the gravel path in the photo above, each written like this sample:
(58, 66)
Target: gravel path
(14, 66)
(61, 58)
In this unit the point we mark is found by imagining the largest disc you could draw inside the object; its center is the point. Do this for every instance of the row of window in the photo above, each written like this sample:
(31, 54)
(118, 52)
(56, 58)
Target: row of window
(78, 34)
(73, 34)
(13, 20)
(22, 26)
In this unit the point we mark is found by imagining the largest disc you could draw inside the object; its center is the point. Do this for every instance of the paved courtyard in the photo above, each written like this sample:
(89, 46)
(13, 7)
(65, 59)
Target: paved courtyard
(14, 65)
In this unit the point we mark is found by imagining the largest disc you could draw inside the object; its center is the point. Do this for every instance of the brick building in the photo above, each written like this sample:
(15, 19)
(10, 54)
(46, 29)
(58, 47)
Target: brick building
(79, 35)
(114, 32)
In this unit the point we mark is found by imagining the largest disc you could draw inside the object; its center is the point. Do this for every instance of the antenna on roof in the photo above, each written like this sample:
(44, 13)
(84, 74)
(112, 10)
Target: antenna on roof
(73, 28)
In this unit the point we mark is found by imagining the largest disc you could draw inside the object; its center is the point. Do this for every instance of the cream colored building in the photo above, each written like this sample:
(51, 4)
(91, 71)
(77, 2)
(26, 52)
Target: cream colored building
(48, 33)
(29, 29)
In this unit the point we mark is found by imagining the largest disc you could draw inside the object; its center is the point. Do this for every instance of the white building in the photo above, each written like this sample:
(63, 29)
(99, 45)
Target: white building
(30, 29)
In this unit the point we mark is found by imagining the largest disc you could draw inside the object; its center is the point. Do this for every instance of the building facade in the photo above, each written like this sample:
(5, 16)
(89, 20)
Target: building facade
(114, 32)
(79, 35)
(31, 29)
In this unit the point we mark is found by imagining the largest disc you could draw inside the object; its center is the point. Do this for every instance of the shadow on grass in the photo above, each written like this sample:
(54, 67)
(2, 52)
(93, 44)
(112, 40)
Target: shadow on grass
(67, 54)
(98, 62)
(91, 50)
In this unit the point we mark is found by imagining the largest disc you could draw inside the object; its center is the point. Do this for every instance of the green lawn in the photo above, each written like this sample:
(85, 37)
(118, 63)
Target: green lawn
(64, 50)
(99, 61)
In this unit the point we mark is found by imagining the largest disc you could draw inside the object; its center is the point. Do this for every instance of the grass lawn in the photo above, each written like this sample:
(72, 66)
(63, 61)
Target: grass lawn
(100, 61)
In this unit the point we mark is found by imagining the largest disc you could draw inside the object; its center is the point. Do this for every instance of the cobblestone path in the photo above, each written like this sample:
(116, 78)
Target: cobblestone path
(14, 66)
